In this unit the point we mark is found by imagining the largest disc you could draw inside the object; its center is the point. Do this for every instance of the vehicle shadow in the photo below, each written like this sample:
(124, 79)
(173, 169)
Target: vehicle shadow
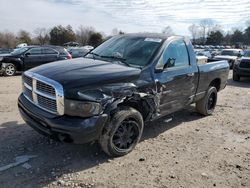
(154, 128)
(244, 82)
(16, 75)
(54, 159)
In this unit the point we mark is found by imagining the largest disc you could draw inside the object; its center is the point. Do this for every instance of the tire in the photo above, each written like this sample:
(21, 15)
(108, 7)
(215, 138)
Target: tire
(207, 105)
(10, 70)
(236, 77)
(123, 133)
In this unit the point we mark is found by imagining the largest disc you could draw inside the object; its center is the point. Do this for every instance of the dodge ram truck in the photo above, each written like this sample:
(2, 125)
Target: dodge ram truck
(109, 94)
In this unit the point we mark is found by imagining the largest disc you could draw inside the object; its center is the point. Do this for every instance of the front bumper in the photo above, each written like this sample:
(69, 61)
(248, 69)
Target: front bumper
(65, 128)
(241, 71)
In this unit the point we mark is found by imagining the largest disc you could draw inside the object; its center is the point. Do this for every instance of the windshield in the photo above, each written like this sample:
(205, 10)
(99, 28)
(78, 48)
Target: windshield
(132, 50)
(230, 52)
(247, 54)
(19, 51)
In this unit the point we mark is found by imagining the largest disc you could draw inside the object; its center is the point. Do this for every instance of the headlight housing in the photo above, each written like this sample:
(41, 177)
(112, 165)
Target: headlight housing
(82, 108)
(1, 58)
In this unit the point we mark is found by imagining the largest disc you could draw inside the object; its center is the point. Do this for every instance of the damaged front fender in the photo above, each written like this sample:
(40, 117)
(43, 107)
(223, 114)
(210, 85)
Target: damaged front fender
(112, 96)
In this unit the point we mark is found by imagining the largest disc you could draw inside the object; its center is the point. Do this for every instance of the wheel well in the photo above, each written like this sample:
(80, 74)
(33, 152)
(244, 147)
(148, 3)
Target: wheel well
(139, 105)
(17, 65)
(216, 83)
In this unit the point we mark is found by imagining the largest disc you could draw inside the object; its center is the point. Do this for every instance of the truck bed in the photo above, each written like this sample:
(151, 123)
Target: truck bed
(211, 71)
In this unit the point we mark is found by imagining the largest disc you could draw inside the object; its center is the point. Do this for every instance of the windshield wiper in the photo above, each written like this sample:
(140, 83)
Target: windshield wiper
(94, 54)
(121, 59)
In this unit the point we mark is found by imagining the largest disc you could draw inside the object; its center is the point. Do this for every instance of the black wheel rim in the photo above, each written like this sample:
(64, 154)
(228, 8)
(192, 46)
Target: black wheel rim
(126, 135)
(211, 101)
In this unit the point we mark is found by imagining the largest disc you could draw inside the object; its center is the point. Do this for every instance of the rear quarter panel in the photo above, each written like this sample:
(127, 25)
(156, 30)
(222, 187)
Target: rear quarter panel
(209, 72)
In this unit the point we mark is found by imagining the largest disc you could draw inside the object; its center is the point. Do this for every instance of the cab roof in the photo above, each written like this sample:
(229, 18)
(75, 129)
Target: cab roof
(150, 35)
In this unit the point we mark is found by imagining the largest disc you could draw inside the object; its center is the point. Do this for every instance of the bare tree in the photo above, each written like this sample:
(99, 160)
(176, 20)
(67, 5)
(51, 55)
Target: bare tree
(194, 30)
(205, 25)
(168, 31)
(42, 35)
(83, 34)
(8, 40)
(216, 28)
(24, 36)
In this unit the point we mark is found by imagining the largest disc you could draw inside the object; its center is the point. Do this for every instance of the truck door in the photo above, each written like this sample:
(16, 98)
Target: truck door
(177, 80)
(33, 58)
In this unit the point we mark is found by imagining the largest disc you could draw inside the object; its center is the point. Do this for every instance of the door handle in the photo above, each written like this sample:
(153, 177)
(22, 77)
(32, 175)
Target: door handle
(190, 74)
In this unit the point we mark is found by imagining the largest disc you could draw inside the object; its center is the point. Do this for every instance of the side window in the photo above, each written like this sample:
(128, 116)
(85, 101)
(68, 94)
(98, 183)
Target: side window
(35, 51)
(175, 55)
(49, 51)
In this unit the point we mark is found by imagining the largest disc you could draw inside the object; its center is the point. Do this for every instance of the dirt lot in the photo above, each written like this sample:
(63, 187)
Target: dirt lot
(190, 151)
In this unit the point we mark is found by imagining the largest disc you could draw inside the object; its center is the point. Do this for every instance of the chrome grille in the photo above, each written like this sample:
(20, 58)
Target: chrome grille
(28, 93)
(40, 86)
(27, 80)
(43, 92)
(46, 103)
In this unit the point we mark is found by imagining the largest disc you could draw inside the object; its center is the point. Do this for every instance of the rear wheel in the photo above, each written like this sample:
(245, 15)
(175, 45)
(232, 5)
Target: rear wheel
(236, 77)
(207, 105)
(10, 70)
(123, 133)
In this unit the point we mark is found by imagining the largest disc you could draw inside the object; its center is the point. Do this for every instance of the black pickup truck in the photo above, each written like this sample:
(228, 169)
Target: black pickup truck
(110, 93)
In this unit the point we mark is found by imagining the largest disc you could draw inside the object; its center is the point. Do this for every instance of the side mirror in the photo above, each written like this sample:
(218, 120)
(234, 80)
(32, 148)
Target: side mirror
(170, 63)
(239, 55)
(27, 54)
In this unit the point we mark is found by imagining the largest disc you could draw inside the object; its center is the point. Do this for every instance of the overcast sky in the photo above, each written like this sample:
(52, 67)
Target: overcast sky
(126, 15)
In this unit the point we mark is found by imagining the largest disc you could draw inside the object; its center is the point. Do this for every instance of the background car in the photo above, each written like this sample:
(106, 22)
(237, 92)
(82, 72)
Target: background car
(231, 55)
(78, 51)
(242, 67)
(88, 47)
(5, 50)
(22, 59)
(205, 53)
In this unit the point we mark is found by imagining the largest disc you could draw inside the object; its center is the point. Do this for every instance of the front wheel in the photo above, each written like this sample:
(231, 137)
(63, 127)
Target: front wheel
(10, 70)
(123, 133)
(207, 105)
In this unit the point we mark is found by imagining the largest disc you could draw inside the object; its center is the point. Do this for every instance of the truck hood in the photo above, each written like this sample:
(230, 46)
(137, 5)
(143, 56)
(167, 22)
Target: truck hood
(85, 72)
(225, 57)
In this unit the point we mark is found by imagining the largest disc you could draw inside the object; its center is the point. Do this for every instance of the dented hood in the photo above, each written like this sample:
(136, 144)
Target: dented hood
(81, 72)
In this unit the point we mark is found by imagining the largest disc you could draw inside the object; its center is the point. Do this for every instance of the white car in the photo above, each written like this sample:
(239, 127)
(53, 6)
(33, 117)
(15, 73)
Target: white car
(231, 55)
(88, 47)
(21, 45)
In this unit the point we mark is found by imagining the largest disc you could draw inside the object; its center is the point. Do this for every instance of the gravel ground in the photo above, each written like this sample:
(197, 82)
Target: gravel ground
(190, 151)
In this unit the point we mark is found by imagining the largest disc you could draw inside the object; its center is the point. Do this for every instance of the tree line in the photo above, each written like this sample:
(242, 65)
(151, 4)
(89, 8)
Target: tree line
(205, 32)
(57, 35)
(209, 33)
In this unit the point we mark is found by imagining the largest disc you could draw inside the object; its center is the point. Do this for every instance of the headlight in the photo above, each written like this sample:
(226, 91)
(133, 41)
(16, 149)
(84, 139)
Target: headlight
(81, 108)
(1, 58)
